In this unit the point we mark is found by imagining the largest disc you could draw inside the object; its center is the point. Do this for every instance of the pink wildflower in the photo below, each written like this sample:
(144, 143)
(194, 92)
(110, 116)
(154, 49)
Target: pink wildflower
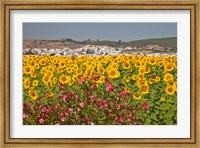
(99, 100)
(25, 116)
(105, 105)
(106, 79)
(96, 77)
(118, 106)
(70, 110)
(110, 88)
(67, 114)
(56, 107)
(77, 96)
(41, 121)
(80, 80)
(117, 118)
(145, 105)
(63, 119)
(44, 109)
(93, 87)
(101, 107)
(81, 104)
(121, 119)
(122, 94)
(78, 110)
(91, 100)
(60, 95)
(64, 98)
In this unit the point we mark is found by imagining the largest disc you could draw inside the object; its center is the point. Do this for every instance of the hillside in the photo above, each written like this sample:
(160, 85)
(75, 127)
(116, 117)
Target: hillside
(72, 44)
(164, 42)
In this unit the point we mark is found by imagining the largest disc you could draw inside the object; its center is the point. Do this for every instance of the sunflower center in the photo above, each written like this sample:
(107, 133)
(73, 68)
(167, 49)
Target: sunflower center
(136, 95)
(33, 94)
(144, 88)
(64, 79)
(170, 89)
(169, 66)
(46, 78)
(112, 73)
(28, 69)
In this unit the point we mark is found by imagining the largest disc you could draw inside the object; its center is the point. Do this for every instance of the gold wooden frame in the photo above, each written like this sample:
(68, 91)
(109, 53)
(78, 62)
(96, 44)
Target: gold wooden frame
(7, 5)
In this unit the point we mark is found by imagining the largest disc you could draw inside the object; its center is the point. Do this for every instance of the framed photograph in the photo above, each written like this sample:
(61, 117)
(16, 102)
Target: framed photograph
(100, 73)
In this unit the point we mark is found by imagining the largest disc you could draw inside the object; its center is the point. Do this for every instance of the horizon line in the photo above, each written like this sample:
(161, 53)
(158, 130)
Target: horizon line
(105, 39)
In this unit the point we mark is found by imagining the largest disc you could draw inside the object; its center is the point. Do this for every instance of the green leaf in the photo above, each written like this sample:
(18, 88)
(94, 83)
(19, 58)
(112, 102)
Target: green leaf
(154, 117)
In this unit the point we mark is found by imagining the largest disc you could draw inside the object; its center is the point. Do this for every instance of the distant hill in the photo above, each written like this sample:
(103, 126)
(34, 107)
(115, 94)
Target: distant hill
(170, 42)
(164, 42)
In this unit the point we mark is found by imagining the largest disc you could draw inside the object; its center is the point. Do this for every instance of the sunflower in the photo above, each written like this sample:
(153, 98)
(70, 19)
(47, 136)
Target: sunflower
(26, 83)
(50, 84)
(75, 67)
(101, 70)
(78, 71)
(119, 59)
(168, 76)
(141, 83)
(75, 77)
(71, 83)
(69, 70)
(147, 70)
(101, 80)
(35, 83)
(33, 74)
(153, 76)
(151, 81)
(157, 79)
(134, 77)
(114, 65)
(137, 64)
(83, 66)
(162, 99)
(62, 64)
(142, 70)
(126, 65)
(113, 73)
(49, 73)
(141, 76)
(126, 79)
(60, 70)
(33, 94)
(64, 79)
(170, 82)
(28, 69)
(43, 71)
(36, 66)
(144, 89)
(169, 67)
(170, 90)
(152, 61)
(42, 62)
(48, 94)
(54, 80)
(89, 70)
(160, 63)
(45, 79)
(136, 96)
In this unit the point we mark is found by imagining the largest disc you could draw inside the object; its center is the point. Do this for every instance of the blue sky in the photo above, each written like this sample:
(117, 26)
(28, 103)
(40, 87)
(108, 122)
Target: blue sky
(101, 31)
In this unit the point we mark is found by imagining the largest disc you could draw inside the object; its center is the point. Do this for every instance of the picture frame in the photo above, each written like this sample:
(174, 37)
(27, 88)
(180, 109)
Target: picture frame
(5, 54)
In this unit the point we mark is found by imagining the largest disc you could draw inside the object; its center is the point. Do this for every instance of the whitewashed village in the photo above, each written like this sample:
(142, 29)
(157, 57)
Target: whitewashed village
(94, 50)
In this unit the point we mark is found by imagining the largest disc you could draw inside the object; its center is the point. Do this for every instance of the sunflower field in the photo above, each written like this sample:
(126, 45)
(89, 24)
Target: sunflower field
(99, 90)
